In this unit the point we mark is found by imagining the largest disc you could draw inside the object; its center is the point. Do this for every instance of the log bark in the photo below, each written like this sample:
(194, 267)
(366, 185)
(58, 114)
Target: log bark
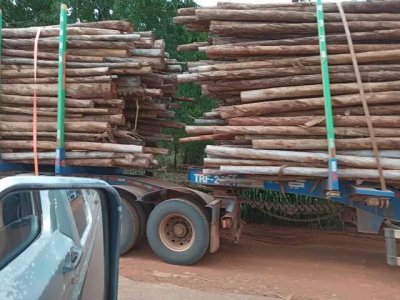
(122, 26)
(318, 144)
(315, 90)
(374, 57)
(349, 7)
(308, 121)
(88, 127)
(283, 106)
(313, 172)
(76, 146)
(206, 137)
(43, 72)
(68, 154)
(19, 33)
(110, 37)
(288, 130)
(298, 157)
(52, 136)
(99, 52)
(208, 14)
(210, 88)
(93, 79)
(76, 90)
(45, 101)
(223, 51)
(257, 29)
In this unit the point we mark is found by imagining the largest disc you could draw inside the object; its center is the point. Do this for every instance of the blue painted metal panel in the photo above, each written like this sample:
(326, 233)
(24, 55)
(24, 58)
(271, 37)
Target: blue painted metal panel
(316, 188)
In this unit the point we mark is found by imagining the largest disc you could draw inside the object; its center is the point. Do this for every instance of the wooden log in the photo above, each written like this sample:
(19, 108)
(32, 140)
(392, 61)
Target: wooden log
(271, 107)
(46, 63)
(191, 47)
(374, 57)
(346, 121)
(43, 72)
(53, 43)
(68, 154)
(144, 43)
(349, 7)
(76, 90)
(315, 90)
(117, 103)
(208, 88)
(313, 172)
(133, 71)
(76, 146)
(377, 110)
(100, 52)
(122, 26)
(93, 79)
(206, 137)
(386, 143)
(30, 32)
(45, 101)
(52, 111)
(217, 162)
(49, 55)
(370, 153)
(392, 35)
(137, 163)
(52, 136)
(108, 37)
(148, 52)
(284, 16)
(88, 127)
(284, 50)
(298, 157)
(117, 119)
(288, 130)
(211, 122)
(258, 29)
(187, 11)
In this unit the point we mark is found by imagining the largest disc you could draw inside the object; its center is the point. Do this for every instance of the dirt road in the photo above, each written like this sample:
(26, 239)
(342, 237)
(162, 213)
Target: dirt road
(286, 263)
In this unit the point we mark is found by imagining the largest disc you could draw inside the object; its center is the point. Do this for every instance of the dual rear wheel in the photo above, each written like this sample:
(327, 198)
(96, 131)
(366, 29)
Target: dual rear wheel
(178, 230)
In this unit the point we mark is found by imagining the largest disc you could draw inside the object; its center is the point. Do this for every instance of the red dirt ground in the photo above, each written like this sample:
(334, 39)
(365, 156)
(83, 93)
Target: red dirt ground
(287, 263)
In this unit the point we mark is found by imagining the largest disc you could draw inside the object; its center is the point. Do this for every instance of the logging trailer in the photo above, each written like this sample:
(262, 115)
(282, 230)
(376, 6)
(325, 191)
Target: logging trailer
(182, 224)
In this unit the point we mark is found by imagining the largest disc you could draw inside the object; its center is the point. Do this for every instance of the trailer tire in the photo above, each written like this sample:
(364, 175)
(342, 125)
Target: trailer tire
(132, 225)
(178, 231)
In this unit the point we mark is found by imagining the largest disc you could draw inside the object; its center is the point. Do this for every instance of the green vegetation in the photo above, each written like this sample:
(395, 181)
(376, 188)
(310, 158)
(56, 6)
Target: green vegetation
(268, 207)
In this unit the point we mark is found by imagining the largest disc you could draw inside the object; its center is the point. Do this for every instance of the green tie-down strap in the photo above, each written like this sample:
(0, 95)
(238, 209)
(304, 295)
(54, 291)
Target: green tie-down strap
(330, 128)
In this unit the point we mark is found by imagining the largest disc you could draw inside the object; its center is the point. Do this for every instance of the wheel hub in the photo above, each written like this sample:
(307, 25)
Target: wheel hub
(180, 230)
(176, 232)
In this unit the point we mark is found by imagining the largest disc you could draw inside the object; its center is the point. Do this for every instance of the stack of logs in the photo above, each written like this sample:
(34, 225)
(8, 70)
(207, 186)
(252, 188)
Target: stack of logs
(264, 66)
(120, 87)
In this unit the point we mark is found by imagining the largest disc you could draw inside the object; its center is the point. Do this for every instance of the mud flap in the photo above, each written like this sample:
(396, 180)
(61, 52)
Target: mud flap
(368, 222)
(391, 237)
(214, 230)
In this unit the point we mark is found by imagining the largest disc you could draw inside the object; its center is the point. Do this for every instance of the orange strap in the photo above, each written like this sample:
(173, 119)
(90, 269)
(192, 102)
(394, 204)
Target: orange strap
(34, 127)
